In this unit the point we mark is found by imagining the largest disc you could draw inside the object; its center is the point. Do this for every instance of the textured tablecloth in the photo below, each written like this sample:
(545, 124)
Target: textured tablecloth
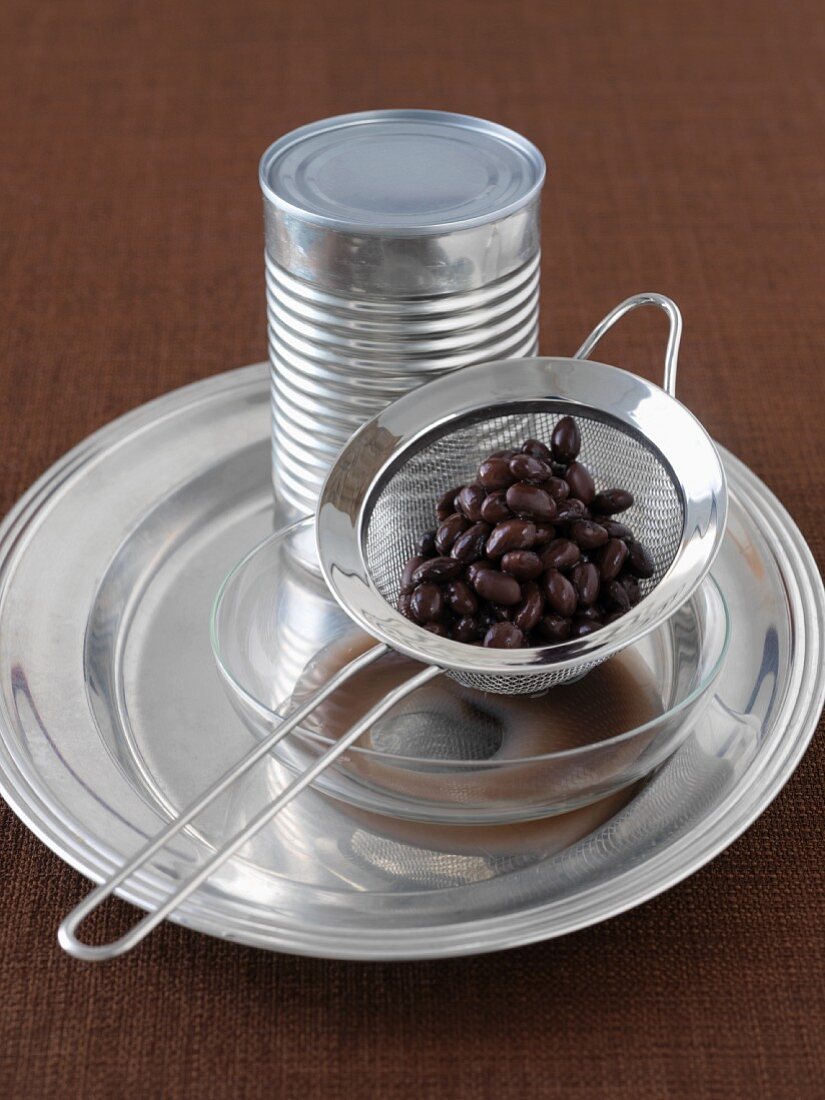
(686, 152)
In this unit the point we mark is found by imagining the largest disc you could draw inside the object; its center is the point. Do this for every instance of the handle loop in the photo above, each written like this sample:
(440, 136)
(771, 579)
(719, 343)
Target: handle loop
(673, 339)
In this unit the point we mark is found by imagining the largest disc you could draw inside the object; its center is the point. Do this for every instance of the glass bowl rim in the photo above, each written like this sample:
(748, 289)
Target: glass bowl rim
(388, 758)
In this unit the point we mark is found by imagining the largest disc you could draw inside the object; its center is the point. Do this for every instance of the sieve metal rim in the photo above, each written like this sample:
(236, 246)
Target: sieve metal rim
(598, 390)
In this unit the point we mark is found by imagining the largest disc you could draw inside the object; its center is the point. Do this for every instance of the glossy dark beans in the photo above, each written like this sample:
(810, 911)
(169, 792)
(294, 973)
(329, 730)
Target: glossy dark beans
(537, 449)
(469, 501)
(444, 505)
(560, 554)
(407, 582)
(460, 598)
(528, 612)
(448, 532)
(426, 544)
(612, 501)
(639, 560)
(566, 440)
(558, 489)
(587, 534)
(470, 544)
(530, 502)
(465, 629)
(570, 510)
(580, 628)
(524, 565)
(586, 581)
(427, 602)
(612, 559)
(495, 473)
(615, 596)
(615, 529)
(494, 507)
(528, 553)
(497, 587)
(545, 533)
(512, 534)
(581, 483)
(631, 587)
(555, 628)
(437, 570)
(527, 468)
(504, 636)
(559, 592)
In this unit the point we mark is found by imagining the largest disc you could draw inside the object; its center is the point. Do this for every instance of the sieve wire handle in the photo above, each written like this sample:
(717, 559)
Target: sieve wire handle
(673, 339)
(67, 933)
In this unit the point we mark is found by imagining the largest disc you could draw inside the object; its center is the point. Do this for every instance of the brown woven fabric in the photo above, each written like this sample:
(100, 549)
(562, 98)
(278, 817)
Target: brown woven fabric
(685, 147)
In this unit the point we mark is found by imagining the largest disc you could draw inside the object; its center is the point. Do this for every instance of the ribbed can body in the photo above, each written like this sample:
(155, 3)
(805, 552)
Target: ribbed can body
(357, 318)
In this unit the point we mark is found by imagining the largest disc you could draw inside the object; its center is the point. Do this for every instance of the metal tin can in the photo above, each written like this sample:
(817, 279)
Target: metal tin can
(399, 245)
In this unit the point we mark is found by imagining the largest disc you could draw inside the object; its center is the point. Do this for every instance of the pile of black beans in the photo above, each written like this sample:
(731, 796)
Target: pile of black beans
(528, 554)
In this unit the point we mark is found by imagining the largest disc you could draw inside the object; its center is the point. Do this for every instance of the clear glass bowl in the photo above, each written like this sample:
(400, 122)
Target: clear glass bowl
(447, 753)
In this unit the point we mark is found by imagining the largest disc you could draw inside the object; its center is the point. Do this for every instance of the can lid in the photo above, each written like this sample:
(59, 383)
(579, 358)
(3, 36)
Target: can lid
(401, 172)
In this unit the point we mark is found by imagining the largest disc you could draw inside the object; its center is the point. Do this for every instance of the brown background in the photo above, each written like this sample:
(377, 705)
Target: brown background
(686, 154)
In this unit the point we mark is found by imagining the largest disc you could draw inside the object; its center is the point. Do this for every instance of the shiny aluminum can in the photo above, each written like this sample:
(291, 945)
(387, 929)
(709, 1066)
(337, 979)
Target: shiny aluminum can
(399, 245)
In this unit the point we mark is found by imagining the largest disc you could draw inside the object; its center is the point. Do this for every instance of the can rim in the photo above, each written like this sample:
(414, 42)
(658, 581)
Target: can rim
(471, 122)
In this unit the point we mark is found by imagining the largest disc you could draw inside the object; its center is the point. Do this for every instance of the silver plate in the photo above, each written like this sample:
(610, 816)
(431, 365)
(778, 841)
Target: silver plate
(112, 717)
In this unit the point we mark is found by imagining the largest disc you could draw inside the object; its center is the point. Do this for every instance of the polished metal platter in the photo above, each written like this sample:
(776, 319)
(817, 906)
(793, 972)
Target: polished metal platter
(112, 717)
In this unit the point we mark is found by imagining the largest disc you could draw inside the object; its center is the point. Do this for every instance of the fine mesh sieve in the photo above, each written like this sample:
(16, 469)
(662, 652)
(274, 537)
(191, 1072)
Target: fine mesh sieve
(379, 495)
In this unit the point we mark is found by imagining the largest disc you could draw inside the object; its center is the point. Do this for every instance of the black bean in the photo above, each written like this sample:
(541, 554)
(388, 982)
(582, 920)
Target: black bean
(615, 529)
(612, 559)
(474, 569)
(494, 507)
(445, 505)
(528, 612)
(587, 534)
(639, 560)
(554, 627)
(437, 570)
(427, 602)
(580, 628)
(448, 532)
(464, 629)
(426, 544)
(566, 440)
(524, 565)
(407, 581)
(470, 544)
(461, 598)
(497, 587)
(586, 581)
(559, 592)
(469, 501)
(594, 614)
(545, 533)
(612, 501)
(501, 613)
(530, 502)
(527, 468)
(494, 473)
(616, 596)
(537, 449)
(560, 554)
(511, 534)
(580, 481)
(504, 636)
(631, 587)
(571, 510)
(558, 489)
